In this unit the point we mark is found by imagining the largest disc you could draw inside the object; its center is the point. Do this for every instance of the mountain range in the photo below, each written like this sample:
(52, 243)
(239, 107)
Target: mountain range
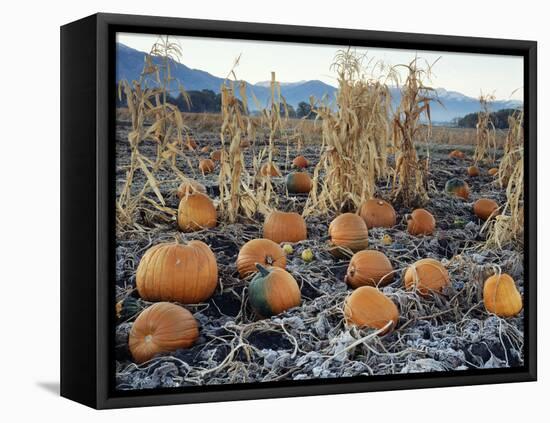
(129, 65)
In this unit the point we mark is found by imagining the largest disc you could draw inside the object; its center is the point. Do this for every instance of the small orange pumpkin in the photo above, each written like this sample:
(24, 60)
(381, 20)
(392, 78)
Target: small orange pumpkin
(244, 144)
(205, 149)
(261, 250)
(190, 186)
(191, 144)
(298, 183)
(457, 187)
(369, 267)
(162, 327)
(195, 212)
(501, 296)
(378, 213)
(421, 222)
(456, 154)
(269, 169)
(485, 208)
(272, 291)
(170, 271)
(300, 162)
(473, 171)
(216, 155)
(206, 166)
(284, 227)
(349, 230)
(368, 307)
(493, 171)
(426, 276)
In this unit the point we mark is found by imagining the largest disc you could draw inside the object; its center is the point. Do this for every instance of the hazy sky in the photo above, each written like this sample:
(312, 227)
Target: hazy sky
(467, 73)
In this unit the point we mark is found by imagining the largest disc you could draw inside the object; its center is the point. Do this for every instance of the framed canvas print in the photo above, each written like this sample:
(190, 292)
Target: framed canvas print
(254, 211)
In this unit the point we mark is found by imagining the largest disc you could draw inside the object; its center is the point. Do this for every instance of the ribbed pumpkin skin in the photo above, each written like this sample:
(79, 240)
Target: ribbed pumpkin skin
(190, 186)
(284, 227)
(261, 250)
(349, 230)
(269, 169)
(501, 296)
(162, 327)
(300, 162)
(378, 213)
(473, 171)
(421, 222)
(272, 291)
(176, 272)
(457, 187)
(368, 307)
(493, 171)
(195, 212)
(484, 208)
(369, 267)
(216, 155)
(298, 183)
(426, 276)
(206, 166)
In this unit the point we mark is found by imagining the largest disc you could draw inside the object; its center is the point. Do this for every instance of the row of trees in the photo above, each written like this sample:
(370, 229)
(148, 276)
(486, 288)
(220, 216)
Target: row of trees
(499, 119)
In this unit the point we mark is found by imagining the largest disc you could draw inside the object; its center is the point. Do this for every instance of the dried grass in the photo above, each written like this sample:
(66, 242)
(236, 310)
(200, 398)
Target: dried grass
(485, 132)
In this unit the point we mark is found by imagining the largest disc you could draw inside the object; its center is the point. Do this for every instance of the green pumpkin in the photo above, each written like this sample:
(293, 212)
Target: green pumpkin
(457, 187)
(298, 183)
(128, 308)
(272, 291)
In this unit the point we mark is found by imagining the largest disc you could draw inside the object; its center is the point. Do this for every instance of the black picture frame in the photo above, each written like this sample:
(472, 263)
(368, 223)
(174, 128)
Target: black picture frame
(87, 222)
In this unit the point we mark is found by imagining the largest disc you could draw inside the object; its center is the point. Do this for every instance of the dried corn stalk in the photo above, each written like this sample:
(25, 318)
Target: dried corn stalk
(513, 148)
(354, 137)
(485, 132)
(410, 178)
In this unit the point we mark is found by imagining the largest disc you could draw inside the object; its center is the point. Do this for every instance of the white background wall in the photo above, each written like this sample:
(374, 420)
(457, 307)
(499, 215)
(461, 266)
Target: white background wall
(29, 240)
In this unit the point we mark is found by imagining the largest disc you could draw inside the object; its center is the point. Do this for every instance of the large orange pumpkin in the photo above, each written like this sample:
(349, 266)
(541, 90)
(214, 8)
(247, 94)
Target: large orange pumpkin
(501, 296)
(349, 230)
(368, 307)
(369, 267)
(177, 272)
(216, 155)
(206, 166)
(269, 169)
(426, 276)
(485, 208)
(421, 222)
(378, 213)
(298, 183)
(457, 187)
(284, 227)
(261, 250)
(195, 212)
(190, 186)
(162, 327)
(272, 291)
(300, 162)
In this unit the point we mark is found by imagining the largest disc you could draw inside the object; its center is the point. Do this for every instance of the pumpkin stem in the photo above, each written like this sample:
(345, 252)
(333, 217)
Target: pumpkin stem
(264, 272)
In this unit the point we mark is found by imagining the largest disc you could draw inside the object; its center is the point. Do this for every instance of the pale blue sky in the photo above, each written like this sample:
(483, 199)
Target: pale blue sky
(467, 73)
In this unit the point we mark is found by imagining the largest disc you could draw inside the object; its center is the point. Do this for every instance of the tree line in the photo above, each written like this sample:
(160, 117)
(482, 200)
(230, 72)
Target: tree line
(499, 119)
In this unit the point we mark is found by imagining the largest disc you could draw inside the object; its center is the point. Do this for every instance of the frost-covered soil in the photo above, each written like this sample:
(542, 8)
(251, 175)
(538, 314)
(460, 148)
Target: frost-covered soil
(448, 332)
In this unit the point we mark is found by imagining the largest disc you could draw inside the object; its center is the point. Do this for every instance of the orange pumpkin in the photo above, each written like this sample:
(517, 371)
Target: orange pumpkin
(473, 171)
(501, 296)
(244, 144)
(261, 250)
(421, 222)
(300, 162)
(272, 291)
(456, 154)
(186, 273)
(368, 307)
(162, 327)
(191, 144)
(216, 155)
(298, 183)
(427, 276)
(369, 267)
(205, 149)
(378, 213)
(190, 186)
(284, 227)
(457, 187)
(195, 212)
(493, 171)
(206, 166)
(269, 169)
(349, 230)
(484, 208)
